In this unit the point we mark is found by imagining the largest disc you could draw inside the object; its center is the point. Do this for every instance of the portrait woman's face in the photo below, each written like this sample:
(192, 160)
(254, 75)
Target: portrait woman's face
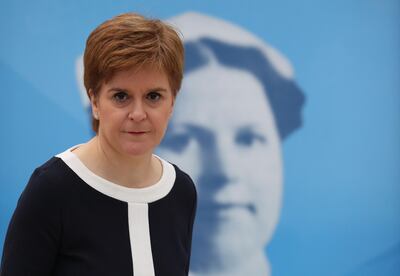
(223, 134)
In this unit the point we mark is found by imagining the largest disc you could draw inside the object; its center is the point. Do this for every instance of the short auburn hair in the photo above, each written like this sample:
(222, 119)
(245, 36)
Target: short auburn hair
(130, 41)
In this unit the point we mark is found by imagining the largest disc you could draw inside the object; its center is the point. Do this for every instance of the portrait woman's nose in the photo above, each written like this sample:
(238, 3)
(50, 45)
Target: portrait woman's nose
(218, 167)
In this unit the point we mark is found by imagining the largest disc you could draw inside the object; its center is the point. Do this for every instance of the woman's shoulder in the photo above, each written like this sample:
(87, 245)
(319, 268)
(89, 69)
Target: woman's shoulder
(53, 169)
(47, 181)
(183, 181)
(188, 190)
(182, 175)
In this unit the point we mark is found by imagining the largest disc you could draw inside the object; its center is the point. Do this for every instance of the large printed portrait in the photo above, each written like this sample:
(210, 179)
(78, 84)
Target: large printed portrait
(238, 103)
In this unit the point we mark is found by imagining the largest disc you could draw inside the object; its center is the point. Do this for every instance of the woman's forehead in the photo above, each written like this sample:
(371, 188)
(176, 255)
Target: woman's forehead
(218, 95)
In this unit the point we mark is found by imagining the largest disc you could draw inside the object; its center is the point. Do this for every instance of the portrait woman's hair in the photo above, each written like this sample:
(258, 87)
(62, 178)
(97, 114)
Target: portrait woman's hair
(284, 96)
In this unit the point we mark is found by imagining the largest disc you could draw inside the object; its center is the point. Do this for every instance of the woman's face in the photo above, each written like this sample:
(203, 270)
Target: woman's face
(133, 108)
(223, 134)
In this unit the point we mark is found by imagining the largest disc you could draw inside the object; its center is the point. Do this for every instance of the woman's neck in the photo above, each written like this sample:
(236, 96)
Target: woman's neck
(129, 171)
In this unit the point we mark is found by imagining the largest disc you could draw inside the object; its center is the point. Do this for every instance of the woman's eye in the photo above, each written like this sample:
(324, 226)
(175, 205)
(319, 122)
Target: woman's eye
(175, 142)
(248, 137)
(153, 96)
(120, 97)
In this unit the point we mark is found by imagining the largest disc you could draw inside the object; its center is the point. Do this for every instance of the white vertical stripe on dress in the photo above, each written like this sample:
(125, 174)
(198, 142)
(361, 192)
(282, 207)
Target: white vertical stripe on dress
(139, 232)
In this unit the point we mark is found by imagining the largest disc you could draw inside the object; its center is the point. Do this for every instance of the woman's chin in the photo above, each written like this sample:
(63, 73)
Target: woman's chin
(229, 240)
(228, 250)
(136, 149)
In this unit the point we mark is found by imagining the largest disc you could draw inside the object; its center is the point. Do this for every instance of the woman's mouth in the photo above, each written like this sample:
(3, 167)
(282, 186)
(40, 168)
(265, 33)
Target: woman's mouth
(221, 207)
(136, 133)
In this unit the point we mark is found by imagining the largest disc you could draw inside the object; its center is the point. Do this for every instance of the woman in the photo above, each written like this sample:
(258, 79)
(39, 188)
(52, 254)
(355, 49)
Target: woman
(226, 131)
(110, 206)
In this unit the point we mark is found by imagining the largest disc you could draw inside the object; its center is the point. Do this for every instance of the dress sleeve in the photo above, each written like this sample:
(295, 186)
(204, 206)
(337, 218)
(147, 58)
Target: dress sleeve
(33, 235)
(191, 223)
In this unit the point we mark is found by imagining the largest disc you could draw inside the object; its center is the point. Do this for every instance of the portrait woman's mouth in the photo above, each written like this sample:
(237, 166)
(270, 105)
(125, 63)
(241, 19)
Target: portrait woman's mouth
(225, 208)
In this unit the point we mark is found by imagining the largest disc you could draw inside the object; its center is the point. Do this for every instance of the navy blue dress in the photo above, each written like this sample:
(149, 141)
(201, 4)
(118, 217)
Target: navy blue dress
(69, 221)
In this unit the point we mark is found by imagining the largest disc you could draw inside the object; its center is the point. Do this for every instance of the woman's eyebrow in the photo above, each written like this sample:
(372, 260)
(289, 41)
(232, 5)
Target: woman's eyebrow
(113, 89)
(158, 89)
(251, 126)
(246, 127)
(202, 133)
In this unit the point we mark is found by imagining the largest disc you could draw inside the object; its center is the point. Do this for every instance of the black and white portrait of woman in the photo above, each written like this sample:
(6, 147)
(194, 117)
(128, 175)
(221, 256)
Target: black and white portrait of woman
(238, 103)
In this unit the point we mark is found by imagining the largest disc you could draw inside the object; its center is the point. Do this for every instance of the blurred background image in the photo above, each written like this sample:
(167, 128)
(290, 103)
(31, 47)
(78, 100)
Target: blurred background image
(288, 121)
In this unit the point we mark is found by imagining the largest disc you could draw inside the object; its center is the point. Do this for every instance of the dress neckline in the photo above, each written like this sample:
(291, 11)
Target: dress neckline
(133, 195)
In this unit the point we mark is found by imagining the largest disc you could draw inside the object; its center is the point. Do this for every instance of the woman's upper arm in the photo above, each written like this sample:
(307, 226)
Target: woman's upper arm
(193, 196)
(33, 236)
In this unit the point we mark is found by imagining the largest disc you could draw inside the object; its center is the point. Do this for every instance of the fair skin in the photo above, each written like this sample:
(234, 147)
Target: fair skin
(133, 109)
(232, 152)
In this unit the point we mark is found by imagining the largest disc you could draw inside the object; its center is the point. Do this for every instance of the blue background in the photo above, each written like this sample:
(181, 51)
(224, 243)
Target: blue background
(341, 208)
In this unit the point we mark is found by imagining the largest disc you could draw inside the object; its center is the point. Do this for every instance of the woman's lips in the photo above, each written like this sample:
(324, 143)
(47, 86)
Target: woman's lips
(136, 132)
(217, 207)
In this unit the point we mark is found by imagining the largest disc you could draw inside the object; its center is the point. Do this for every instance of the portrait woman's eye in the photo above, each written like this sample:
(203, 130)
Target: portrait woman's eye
(154, 96)
(120, 96)
(248, 137)
(176, 142)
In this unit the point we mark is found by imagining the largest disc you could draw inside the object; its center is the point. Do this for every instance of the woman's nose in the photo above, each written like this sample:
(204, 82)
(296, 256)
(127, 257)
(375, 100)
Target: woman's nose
(218, 162)
(137, 112)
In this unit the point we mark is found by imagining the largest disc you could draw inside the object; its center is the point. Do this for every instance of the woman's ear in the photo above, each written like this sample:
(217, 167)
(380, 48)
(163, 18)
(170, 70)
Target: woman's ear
(94, 104)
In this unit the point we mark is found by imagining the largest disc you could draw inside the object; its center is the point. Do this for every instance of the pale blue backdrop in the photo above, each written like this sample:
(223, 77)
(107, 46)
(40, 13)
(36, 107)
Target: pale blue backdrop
(341, 199)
